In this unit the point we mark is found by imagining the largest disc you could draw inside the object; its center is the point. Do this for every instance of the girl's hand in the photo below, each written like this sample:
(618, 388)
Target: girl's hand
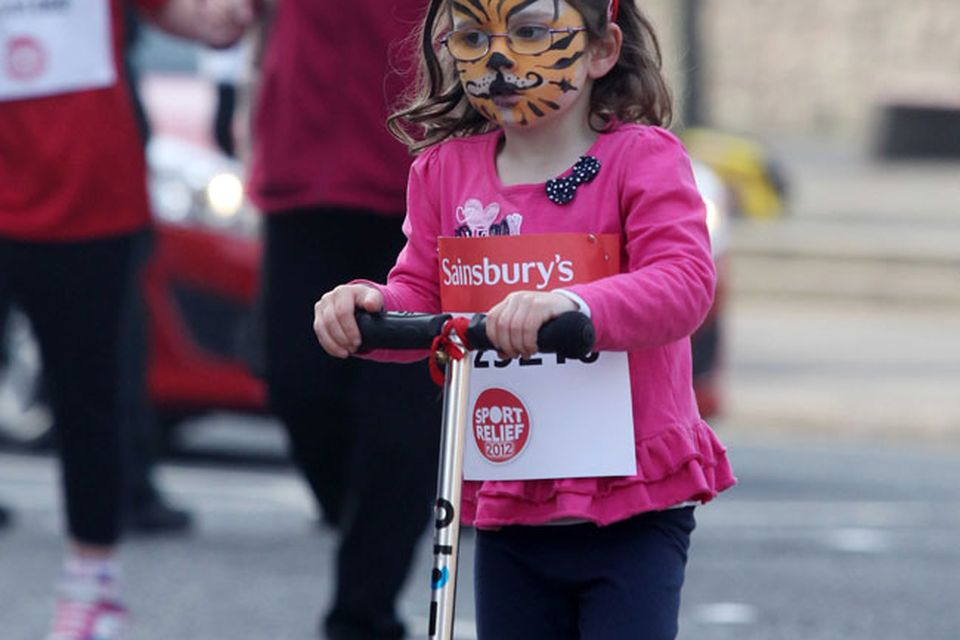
(334, 319)
(512, 324)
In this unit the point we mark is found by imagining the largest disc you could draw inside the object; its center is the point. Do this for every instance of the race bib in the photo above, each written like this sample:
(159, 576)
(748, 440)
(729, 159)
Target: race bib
(545, 416)
(48, 47)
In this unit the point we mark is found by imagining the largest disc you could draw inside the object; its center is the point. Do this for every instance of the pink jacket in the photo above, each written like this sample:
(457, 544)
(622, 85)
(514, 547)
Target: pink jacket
(645, 192)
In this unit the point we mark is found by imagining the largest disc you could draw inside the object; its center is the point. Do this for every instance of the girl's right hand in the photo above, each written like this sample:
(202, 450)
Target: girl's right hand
(334, 319)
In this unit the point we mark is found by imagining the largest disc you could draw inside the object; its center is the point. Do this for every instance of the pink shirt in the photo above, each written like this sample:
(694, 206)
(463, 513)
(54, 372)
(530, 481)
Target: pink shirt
(645, 192)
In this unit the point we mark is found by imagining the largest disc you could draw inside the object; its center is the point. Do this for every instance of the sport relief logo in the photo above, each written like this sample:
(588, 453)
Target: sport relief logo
(24, 58)
(501, 425)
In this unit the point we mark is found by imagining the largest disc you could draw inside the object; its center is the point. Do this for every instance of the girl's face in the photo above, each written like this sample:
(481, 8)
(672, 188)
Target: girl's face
(520, 61)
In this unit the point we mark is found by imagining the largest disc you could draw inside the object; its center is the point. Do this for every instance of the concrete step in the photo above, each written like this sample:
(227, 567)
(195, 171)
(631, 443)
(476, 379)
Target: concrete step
(869, 259)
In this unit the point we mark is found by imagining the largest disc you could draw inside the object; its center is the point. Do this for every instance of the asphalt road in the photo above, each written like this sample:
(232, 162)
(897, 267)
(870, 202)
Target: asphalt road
(822, 539)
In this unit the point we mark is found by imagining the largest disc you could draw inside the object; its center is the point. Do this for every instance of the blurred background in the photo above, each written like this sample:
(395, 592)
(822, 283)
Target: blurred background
(854, 108)
(826, 141)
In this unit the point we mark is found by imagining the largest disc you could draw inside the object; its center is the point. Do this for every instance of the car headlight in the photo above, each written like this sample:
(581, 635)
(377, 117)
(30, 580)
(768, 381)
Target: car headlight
(195, 185)
(224, 194)
(170, 199)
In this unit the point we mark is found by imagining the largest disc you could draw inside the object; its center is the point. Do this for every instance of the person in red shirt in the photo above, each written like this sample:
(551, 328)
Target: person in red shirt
(72, 203)
(331, 181)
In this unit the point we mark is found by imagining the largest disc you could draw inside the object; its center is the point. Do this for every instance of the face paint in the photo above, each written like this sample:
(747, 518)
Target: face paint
(520, 89)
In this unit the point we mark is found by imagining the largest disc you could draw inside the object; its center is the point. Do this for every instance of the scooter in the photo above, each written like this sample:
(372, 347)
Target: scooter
(450, 340)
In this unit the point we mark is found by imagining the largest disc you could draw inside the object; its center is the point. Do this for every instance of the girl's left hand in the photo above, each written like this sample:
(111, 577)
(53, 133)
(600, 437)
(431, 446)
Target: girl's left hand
(513, 323)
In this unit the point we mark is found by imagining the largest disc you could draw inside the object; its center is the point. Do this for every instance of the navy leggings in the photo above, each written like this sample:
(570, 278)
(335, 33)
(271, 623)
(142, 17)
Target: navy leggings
(583, 582)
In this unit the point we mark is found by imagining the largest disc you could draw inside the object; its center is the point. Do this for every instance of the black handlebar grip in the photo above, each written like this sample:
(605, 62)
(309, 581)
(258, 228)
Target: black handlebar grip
(570, 335)
(397, 330)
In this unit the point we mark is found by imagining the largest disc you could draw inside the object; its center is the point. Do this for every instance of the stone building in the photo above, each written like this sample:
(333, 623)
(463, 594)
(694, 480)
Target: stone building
(817, 67)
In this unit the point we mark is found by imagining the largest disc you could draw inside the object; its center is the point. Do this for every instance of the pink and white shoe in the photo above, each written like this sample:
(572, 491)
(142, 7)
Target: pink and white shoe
(88, 610)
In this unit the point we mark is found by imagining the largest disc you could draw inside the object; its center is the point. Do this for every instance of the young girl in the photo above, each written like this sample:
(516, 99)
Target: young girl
(536, 117)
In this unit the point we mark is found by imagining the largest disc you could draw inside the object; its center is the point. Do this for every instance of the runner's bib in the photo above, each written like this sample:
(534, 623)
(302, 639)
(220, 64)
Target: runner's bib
(546, 416)
(48, 47)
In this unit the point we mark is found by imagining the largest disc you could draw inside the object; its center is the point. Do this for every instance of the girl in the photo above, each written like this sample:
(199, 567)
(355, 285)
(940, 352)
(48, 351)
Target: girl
(536, 117)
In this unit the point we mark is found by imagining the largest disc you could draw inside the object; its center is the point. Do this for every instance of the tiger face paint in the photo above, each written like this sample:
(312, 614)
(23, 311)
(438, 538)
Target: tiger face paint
(520, 89)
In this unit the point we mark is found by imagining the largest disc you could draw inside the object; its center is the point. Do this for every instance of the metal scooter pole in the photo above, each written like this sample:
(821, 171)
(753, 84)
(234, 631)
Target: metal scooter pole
(570, 334)
(446, 539)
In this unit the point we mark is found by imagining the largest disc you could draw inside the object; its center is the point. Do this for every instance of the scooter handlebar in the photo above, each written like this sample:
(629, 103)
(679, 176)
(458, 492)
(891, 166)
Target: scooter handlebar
(570, 334)
(399, 330)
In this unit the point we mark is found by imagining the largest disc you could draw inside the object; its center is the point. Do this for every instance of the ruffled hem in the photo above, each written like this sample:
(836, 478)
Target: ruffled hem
(676, 465)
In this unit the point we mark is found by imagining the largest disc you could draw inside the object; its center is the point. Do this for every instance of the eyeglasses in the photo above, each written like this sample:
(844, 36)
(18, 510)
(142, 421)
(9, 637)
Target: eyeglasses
(471, 44)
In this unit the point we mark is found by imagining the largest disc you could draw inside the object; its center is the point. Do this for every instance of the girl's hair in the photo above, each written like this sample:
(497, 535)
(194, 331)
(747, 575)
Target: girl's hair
(633, 91)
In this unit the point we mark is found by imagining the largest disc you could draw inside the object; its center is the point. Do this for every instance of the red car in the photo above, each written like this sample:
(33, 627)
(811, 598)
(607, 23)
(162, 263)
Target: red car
(200, 286)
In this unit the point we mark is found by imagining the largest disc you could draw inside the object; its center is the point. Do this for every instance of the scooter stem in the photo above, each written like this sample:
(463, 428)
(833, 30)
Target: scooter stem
(446, 540)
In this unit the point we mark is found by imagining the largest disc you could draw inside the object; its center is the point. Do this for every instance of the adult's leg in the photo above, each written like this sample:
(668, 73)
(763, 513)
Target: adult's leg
(74, 294)
(363, 433)
(4, 318)
(137, 445)
(640, 566)
(395, 409)
(306, 255)
(5, 517)
(145, 509)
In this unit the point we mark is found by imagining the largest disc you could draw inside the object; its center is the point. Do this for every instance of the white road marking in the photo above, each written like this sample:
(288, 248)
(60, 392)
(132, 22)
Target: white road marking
(725, 613)
(859, 540)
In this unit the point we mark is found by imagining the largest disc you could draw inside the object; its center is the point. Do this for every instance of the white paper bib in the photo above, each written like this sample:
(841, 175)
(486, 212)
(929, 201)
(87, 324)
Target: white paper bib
(49, 47)
(543, 417)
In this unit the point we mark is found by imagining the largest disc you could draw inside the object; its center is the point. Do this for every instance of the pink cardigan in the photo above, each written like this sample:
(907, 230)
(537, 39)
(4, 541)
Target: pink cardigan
(645, 192)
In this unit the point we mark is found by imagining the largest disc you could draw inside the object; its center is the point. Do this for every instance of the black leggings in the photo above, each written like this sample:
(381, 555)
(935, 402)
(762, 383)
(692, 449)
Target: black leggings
(73, 294)
(364, 434)
(583, 582)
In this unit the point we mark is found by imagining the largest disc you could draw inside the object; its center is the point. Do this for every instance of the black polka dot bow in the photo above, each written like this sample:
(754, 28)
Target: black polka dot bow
(562, 190)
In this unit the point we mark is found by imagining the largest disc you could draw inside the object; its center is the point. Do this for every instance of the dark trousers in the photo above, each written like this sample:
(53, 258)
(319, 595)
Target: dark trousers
(365, 435)
(583, 582)
(138, 428)
(73, 294)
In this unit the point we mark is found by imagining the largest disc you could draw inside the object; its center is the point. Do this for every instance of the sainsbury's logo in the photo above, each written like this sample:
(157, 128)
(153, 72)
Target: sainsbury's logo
(457, 273)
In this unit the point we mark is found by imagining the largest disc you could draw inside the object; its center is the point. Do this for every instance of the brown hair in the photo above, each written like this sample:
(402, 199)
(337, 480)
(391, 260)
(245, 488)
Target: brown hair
(633, 91)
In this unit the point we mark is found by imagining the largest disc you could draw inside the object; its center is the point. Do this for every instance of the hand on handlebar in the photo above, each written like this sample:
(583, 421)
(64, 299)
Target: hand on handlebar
(334, 319)
(513, 323)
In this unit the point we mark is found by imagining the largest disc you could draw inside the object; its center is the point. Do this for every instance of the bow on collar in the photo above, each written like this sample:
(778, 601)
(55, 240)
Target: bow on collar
(561, 190)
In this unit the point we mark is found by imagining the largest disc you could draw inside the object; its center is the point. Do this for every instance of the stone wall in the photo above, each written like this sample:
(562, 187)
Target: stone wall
(817, 67)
